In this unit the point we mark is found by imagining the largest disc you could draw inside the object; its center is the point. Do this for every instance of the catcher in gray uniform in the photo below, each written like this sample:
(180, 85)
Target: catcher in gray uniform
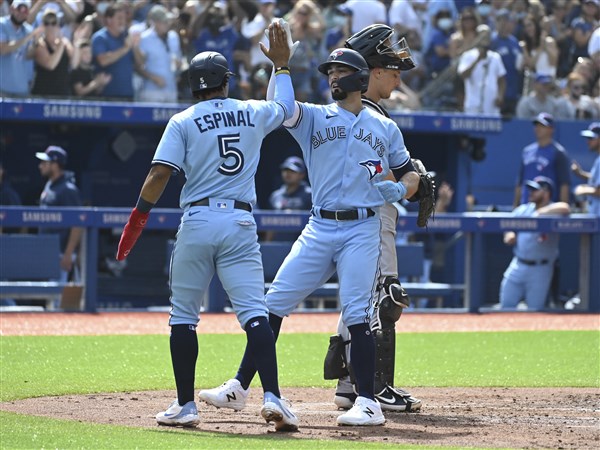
(385, 60)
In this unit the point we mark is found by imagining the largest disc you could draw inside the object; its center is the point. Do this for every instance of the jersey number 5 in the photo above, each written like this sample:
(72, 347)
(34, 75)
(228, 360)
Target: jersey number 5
(231, 153)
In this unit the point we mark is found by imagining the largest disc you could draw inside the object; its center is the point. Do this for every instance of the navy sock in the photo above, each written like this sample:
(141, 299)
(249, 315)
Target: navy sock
(247, 368)
(184, 353)
(362, 354)
(261, 348)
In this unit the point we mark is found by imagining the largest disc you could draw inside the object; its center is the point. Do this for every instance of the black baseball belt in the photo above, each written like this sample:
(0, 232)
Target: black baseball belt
(344, 214)
(237, 205)
(531, 262)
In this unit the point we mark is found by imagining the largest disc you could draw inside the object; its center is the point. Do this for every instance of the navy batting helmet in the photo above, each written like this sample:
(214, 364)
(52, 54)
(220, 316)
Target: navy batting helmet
(207, 70)
(374, 43)
(358, 81)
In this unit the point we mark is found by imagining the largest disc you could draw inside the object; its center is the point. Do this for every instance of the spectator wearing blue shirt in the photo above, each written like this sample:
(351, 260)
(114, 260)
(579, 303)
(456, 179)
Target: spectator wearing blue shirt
(437, 55)
(112, 50)
(545, 157)
(16, 53)
(507, 46)
(158, 57)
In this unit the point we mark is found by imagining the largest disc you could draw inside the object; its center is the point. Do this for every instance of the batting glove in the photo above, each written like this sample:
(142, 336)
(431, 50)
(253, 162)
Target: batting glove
(134, 227)
(390, 191)
(286, 26)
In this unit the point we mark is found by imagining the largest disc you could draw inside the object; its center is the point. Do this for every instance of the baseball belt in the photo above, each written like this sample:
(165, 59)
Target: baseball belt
(237, 205)
(344, 214)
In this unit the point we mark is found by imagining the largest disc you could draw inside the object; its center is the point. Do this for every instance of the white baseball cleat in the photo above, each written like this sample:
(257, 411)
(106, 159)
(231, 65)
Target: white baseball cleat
(364, 412)
(182, 416)
(230, 394)
(274, 410)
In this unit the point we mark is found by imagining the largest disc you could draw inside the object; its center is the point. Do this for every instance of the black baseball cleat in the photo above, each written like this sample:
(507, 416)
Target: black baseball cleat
(394, 399)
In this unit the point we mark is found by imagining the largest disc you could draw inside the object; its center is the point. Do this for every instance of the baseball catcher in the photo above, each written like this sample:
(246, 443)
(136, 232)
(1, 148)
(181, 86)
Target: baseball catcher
(386, 60)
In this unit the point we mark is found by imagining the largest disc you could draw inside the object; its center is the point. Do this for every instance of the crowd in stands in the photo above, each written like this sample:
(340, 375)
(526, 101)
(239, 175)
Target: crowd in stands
(509, 57)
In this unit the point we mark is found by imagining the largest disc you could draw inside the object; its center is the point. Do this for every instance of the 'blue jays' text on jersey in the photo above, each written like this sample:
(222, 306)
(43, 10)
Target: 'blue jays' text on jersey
(217, 143)
(345, 154)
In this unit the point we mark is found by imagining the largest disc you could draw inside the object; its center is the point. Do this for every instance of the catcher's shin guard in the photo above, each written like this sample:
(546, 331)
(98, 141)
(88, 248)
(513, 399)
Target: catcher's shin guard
(385, 357)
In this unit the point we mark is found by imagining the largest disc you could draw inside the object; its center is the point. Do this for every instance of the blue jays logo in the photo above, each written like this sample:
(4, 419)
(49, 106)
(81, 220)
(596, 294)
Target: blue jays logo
(373, 166)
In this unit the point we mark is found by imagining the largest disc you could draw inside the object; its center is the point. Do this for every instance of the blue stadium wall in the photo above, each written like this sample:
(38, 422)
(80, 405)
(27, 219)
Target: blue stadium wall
(110, 158)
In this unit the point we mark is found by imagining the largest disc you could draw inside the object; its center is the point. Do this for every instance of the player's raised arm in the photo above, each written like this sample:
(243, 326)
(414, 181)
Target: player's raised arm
(279, 54)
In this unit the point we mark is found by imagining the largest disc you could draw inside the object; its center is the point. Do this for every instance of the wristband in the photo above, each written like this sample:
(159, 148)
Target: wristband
(143, 206)
(282, 69)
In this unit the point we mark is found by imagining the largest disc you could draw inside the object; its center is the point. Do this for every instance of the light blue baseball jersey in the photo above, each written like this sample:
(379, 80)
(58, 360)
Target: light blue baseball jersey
(216, 143)
(534, 246)
(595, 181)
(346, 153)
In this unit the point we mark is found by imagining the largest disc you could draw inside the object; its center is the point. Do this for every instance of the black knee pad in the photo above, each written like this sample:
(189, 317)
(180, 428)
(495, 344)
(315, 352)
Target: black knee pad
(391, 286)
(389, 312)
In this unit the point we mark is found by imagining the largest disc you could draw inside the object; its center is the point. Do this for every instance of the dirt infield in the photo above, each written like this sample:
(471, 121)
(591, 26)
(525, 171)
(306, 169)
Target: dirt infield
(475, 417)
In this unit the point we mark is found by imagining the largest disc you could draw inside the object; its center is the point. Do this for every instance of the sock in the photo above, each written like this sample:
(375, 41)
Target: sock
(362, 352)
(247, 368)
(184, 353)
(261, 347)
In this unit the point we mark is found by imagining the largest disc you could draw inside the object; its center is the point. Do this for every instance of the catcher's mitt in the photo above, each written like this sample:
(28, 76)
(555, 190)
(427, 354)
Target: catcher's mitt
(425, 195)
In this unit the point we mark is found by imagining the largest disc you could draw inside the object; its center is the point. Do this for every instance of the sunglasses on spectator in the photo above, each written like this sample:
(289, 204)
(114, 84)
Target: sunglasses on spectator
(467, 18)
(304, 13)
(51, 24)
(577, 86)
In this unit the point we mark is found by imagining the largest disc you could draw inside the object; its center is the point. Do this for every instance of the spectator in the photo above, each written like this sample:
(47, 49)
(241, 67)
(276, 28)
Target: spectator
(403, 17)
(365, 13)
(594, 48)
(507, 46)
(294, 194)
(307, 28)
(582, 28)
(111, 47)
(529, 275)
(253, 30)
(60, 190)
(544, 157)
(158, 57)
(592, 187)
(16, 67)
(543, 99)
(54, 57)
(484, 76)
(66, 11)
(83, 81)
(437, 55)
(465, 38)
(585, 107)
(556, 26)
(540, 53)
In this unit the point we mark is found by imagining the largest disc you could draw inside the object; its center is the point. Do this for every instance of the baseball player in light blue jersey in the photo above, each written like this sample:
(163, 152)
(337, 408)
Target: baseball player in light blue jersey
(216, 143)
(348, 150)
(592, 188)
(529, 274)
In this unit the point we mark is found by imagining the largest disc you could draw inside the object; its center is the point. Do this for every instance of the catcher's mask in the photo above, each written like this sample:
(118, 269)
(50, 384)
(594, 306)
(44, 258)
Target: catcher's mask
(358, 81)
(208, 70)
(374, 43)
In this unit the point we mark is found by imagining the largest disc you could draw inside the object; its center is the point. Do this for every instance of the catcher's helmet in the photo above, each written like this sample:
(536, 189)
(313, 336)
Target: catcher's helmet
(358, 81)
(207, 70)
(374, 43)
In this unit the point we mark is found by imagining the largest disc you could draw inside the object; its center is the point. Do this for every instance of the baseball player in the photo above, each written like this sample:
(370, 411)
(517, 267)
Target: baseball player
(529, 274)
(216, 143)
(348, 150)
(592, 188)
(385, 60)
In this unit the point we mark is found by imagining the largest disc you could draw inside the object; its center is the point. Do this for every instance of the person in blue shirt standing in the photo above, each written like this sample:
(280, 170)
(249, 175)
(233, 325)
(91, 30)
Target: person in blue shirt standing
(544, 157)
(507, 46)
(113, 54)
(592, 188)
(529, 274)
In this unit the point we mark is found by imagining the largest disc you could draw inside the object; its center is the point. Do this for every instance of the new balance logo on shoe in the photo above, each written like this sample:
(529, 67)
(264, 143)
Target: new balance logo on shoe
(368, 412)
(231, 397)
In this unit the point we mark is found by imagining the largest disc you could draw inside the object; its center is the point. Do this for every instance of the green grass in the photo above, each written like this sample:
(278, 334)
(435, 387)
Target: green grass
(37, 366)
(34, 366)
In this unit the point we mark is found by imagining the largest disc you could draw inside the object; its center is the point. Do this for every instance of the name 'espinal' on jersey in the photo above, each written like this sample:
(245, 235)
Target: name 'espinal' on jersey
(220, 119)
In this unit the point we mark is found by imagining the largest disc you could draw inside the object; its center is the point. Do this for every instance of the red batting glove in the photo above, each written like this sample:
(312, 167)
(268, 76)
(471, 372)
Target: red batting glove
(136, 223)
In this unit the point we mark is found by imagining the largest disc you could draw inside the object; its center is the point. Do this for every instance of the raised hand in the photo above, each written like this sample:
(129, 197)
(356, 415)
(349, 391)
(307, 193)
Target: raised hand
(279, 50)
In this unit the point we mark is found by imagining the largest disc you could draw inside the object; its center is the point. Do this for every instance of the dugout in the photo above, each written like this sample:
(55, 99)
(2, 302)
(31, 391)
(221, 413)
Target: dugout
(110, 146)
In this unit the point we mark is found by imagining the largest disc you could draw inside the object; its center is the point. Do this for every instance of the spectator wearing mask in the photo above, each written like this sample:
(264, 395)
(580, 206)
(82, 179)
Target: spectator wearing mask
(437, 56)
(158, 58)
(112, 50)
(16, 53)
(484, 76)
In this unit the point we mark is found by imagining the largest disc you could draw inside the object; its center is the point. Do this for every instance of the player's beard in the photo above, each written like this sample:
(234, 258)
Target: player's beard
(339, 95)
